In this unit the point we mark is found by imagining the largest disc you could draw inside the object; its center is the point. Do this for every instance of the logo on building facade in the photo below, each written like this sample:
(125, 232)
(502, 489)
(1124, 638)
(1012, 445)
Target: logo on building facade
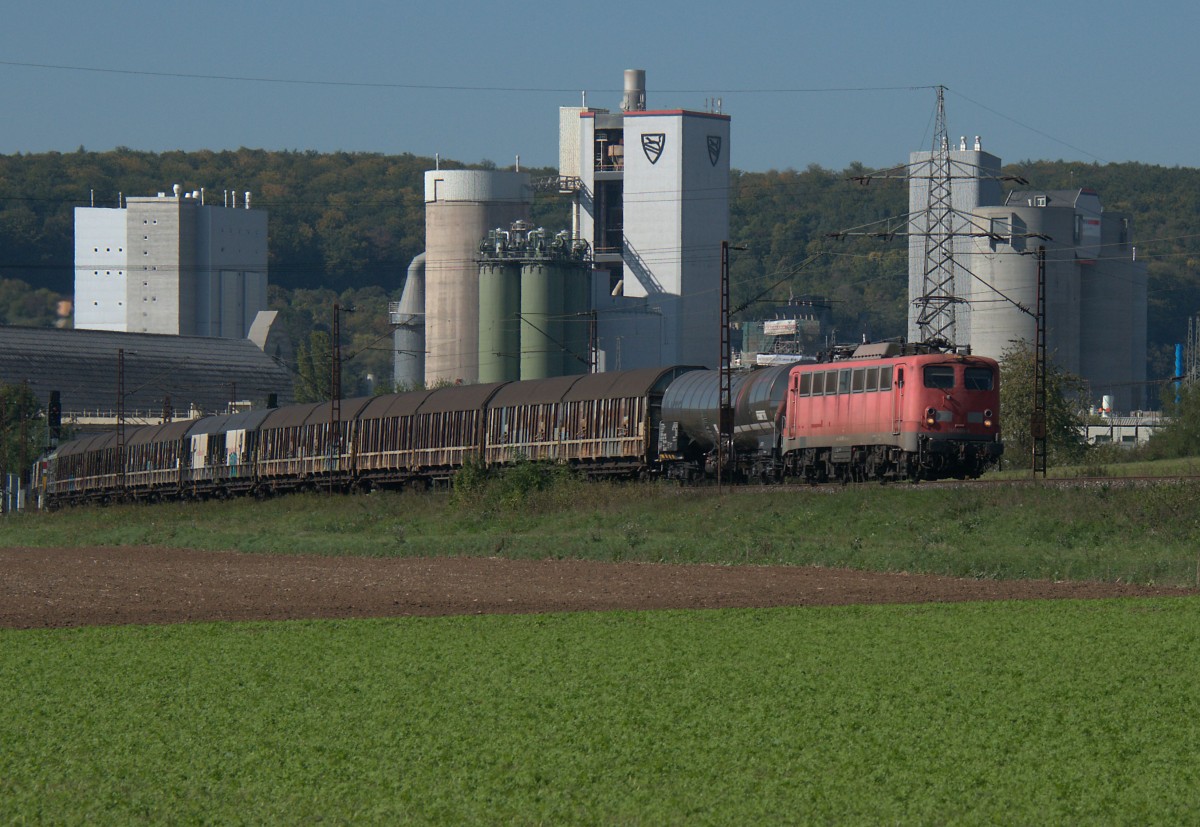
(714, 148)
(652, 145)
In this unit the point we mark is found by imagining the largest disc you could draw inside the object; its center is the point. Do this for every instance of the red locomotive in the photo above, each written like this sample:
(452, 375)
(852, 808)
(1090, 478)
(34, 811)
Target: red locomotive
(877, 412)
(883, 414)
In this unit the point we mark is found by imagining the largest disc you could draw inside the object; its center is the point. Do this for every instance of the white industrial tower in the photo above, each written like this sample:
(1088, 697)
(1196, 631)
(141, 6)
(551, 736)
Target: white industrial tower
(652, 199)
(171, 264)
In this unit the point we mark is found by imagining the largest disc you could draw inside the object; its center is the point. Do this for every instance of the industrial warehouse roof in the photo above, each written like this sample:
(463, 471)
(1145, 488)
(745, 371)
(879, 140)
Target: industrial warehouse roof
(1054, 198)
(191, 370)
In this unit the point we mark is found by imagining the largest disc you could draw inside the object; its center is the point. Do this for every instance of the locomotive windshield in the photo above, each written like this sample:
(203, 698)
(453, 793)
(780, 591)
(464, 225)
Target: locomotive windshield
(939, 376)
(978, 379)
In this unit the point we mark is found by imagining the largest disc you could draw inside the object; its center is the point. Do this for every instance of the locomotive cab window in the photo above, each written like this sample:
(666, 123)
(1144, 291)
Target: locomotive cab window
(885, 378)
(818, 383)
(806, 384)
(978, 379)
(939, 376)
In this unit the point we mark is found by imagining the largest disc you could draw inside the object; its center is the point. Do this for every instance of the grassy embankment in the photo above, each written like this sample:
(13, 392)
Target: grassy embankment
(1102, 465)
(1145, 534)
(1049, 712)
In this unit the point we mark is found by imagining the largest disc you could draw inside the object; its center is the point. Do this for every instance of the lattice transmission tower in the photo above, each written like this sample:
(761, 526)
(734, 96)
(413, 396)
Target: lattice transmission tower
(936, 304)
(1191, 350)
(942, 226)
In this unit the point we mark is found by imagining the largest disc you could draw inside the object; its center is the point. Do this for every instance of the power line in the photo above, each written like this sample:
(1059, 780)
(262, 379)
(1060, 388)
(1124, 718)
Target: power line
(441, 87)
(1032, 129)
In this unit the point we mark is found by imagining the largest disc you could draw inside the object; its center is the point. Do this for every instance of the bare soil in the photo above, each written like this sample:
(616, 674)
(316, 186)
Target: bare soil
(42, 588)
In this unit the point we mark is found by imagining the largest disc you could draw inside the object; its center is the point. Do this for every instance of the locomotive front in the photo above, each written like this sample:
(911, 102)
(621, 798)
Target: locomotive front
(951, 414)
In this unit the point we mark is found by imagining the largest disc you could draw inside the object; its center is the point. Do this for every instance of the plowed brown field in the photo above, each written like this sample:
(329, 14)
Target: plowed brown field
(104, 586)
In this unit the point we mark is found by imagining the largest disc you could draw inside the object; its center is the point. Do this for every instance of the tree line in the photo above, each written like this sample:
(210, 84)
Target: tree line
(346, 225)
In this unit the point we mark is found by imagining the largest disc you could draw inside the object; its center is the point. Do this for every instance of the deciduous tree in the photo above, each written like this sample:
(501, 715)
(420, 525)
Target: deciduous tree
(22, 429)
(1064, 415)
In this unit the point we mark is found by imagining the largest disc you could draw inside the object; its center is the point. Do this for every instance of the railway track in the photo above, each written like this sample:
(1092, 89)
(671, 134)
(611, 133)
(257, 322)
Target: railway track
(1055, 482)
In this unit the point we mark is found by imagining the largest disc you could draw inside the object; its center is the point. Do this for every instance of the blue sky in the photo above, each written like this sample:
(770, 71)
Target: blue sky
(1098, 81)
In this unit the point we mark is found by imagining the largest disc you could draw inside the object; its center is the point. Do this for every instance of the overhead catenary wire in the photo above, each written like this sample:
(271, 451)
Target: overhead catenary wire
(442, 87)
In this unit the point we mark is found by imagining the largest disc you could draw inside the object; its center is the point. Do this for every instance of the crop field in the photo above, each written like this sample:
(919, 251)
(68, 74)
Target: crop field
(1062, 711)
(1042, 712)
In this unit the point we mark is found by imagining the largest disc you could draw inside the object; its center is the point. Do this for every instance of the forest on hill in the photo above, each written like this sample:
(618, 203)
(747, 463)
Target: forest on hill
(346, 225)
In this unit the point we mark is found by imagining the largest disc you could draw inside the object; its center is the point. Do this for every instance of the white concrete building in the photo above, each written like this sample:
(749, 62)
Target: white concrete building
(170, 264)
(653, 200)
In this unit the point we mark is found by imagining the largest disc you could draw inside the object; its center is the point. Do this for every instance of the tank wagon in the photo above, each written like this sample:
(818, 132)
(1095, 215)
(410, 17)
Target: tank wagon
(691, 422)
(879, 412)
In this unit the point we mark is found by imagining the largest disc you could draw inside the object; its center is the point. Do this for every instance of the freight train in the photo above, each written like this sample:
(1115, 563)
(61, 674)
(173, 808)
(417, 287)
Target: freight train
(881, 412)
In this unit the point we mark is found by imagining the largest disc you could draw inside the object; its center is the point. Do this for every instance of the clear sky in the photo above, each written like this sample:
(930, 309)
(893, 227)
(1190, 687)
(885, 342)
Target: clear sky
(1097, 81)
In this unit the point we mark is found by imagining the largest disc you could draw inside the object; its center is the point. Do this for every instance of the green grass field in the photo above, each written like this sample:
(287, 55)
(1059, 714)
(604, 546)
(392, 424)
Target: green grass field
(1049, 712)
(1142, 534)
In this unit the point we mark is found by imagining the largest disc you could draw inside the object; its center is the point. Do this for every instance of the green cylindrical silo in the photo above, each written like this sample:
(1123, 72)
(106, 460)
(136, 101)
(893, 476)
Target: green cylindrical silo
(499, 327)
(576, 318)
(541, 319)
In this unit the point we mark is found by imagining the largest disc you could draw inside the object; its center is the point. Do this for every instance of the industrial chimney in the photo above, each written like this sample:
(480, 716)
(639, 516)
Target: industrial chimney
(634, 99)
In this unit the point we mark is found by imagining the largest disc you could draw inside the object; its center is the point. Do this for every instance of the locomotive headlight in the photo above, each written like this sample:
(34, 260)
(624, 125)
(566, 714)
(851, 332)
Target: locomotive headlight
(931, 417)
(987, 418)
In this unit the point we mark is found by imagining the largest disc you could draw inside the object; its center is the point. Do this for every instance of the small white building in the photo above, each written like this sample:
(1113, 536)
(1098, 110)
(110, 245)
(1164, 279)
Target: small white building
(1128, 431)
(171, 264)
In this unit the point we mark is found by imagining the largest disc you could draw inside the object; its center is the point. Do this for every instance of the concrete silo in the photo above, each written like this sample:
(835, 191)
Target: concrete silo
(976, 184)
(1007, 270)
(1112, 337)
(461, 206)
(577, 293)
(499, 309)
(534, 305)
(408, 319)
(1138, 278)
(542, 281)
